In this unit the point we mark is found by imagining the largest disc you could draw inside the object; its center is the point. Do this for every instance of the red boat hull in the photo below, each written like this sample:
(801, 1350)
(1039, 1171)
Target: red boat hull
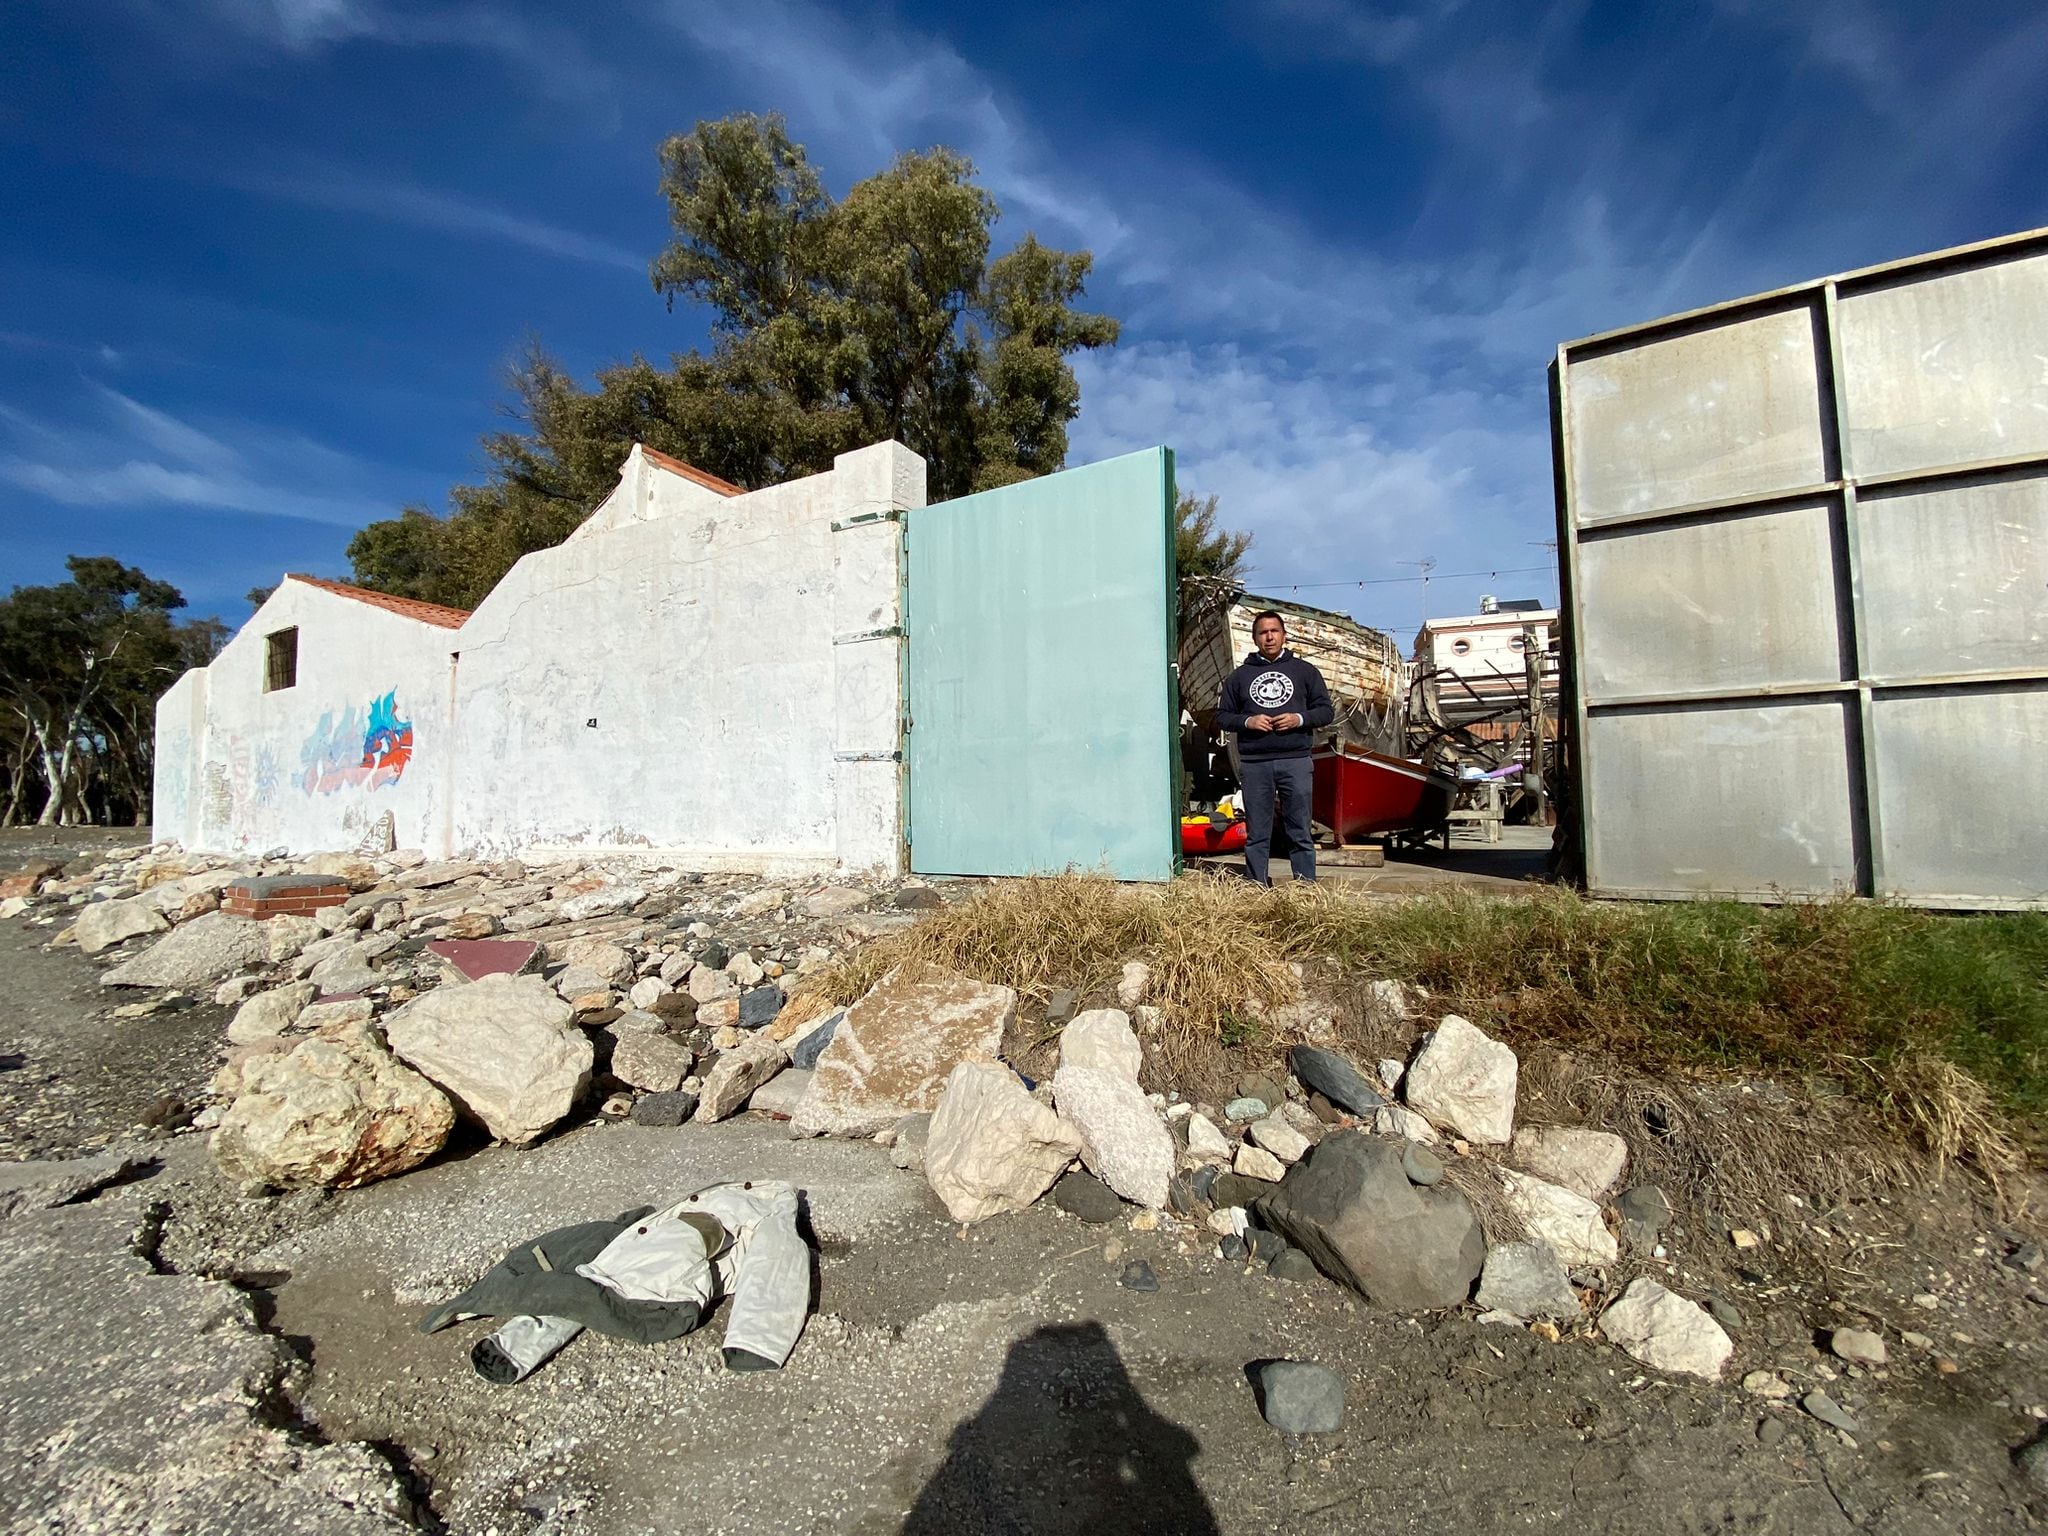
(1359, 793)
(1203, 837)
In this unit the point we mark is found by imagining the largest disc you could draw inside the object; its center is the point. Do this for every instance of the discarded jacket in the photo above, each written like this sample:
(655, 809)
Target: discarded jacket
(648, 1276)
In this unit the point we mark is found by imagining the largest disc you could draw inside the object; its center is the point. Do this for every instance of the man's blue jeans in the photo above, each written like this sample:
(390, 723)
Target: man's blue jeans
(1280, 784)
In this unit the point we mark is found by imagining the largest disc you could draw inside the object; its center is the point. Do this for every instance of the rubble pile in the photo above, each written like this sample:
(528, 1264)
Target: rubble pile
(522, 998)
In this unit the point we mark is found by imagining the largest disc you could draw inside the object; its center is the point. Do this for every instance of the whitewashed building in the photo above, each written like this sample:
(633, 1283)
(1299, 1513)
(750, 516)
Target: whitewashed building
(697, 672)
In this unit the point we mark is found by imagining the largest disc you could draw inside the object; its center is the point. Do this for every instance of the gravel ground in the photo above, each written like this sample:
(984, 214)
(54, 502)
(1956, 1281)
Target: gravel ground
(994, 1380)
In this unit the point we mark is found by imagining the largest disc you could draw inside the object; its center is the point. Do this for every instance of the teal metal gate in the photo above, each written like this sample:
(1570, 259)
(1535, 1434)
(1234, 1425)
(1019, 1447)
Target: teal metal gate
(1043, 718)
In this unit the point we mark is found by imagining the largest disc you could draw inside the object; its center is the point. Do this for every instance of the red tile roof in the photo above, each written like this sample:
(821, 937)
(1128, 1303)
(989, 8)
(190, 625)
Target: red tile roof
(405, 607)
(691, 472)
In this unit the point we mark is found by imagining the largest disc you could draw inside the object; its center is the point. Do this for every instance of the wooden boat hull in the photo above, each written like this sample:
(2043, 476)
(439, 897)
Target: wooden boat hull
(1357, 794)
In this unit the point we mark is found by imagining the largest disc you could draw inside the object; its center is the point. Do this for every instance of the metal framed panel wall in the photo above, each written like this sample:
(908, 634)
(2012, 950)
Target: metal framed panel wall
(1805, 541)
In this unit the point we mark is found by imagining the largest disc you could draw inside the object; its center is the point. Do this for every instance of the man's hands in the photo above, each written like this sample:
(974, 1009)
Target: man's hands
(1272, 722)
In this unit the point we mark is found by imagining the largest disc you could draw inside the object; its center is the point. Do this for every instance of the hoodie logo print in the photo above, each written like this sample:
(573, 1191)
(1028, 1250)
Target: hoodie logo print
(1271, 689)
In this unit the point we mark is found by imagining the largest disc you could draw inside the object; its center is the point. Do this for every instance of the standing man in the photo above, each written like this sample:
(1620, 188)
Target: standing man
(1274, 702)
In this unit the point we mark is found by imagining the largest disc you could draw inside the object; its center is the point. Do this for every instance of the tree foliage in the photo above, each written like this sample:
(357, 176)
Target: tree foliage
(833, 324)
(1211, 558)
(82, 664)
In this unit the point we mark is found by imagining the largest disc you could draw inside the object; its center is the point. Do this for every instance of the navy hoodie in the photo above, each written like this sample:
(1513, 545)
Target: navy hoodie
(1286, 685)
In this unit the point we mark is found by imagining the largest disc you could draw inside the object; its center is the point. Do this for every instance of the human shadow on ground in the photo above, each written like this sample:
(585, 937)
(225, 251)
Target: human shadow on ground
(1065, 1445)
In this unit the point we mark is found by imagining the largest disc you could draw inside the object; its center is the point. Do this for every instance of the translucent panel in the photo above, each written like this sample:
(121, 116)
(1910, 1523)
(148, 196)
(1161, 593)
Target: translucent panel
(1955, 579)
(1043, 733)
(1709, 800)
(1947, 370)
(1729, 603)
(1711, 416)
(1958, 794)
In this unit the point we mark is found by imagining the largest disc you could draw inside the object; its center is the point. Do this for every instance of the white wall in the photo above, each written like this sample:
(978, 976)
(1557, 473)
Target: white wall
(286, 768)
(646, 493)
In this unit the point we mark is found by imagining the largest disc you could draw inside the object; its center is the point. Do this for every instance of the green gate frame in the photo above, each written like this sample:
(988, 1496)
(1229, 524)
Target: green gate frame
(1043, 708)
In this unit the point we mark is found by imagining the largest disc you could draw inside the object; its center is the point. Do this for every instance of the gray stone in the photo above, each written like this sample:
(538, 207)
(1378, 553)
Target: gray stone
(913, 1135)
(2032, 1461)
(613, 966)
(781, 1094)
(1228, 1190)
(1295, 1265)
(1234, 1248)
(1084, 1195)
(1335, 1078)
(1061, 1006)
(1352, 1208)
(194, 956)
(1245, 1110)
(1138, 1276)
(1464, 1079)
(504, 1047)
(1123, 1140)
(1102, 1037)
(1257, 1085)
(736, 1074)
(1770, 1430)
(1666, 1331)
(809, 1046)
(34, 1186)
(664, 1109)
(1422, 1166)
(1588, 1163)
(1830, 1413)
(1858, 1346)
(269, 1014)
(892, 1054)
(1647, 1204)
(574, 981)
(650, 1061)
(1301, 1398)
(106, 923)
(1528, 1280)
(759, 1005)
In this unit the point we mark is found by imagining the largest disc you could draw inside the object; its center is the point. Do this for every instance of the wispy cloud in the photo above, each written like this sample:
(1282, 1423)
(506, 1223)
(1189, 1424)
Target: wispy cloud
(346, 191)
(129, 454)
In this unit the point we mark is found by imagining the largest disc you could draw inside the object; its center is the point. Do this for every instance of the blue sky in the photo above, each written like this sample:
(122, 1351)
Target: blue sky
(264, 260)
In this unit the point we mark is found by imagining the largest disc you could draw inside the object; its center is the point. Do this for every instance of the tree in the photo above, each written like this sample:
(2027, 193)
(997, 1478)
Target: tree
(82, 664)
(833, 324)
(1211, 559)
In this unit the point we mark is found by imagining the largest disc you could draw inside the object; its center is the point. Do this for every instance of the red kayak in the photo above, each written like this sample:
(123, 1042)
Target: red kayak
(1358, 793)
(1198, 837)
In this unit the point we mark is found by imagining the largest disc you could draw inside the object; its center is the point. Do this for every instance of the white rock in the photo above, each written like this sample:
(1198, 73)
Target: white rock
(835, 901)
(1389, 998)
(744, 969)
(1229, 1221)
(647, 992)
(505, 1047)
(1667, 1332)
(270, 1013)
(1255, 1162)
(781, 1094)
(1588, 1163)
(194, 956)
(1133, 984)
(709, 986)
(289, 934)
(736, 1074)
(895, 1049)
(580, 981)
(1570, 1223)
(612, 964)
(335, 1110)
(992, 1147)
(1391, 1072)
(1393, 1120)
(760, 903)
(1464, 1079)
(675, 968)
(106, 923)
(14, 906)
(347, 1010)
(1102, 1037)
(236, 990)
(1206, 1144)
(1279, 1138)
(1123, 1141)
(1858, 1346)
(600, 903)
(650, 1061)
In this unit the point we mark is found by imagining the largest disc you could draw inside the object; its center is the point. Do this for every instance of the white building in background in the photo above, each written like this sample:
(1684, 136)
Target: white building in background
(697, 672)
(1479, 660)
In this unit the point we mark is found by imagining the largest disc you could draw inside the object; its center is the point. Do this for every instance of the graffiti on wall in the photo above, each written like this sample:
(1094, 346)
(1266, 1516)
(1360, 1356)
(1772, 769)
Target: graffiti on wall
(369, 751)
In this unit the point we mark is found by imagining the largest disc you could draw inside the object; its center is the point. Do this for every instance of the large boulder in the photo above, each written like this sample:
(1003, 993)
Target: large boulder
(106, 923)
(1102, 1037)
(1588, 1163)
(736, 1074)
(1570, 1223)
(991, 1146)
(1465, 1079)
(271, 1013)
(1351, 1208)
(505, 1047)
(193, 956)
(337, 1109)
(1667, 1332)
(1124, 1143)
(893, 1052)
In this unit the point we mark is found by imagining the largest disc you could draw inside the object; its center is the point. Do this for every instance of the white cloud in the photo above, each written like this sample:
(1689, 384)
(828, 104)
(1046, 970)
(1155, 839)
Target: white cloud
(135, 454)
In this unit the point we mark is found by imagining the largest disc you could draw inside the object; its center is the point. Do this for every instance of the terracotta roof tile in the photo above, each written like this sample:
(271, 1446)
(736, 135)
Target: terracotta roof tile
(691, 472)
(406, 607)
